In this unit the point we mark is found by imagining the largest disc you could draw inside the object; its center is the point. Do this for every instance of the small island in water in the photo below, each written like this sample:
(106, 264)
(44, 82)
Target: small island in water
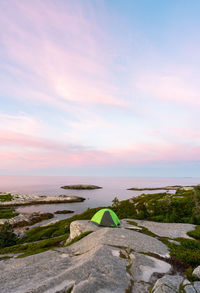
(81, 186)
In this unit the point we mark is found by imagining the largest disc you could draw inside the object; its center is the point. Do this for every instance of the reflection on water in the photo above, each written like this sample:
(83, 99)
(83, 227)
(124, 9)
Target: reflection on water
(112, 186)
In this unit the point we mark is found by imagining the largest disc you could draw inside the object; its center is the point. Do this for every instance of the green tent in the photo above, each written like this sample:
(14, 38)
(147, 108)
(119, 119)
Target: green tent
(106, 217)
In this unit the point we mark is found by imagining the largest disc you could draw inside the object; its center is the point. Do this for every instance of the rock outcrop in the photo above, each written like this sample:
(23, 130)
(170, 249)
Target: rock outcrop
(175, 284)
(24, 199)
(107, 260)
(26, 219)
(171, 230)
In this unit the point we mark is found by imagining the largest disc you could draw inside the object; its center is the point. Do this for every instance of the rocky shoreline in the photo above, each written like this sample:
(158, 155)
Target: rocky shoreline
(27, 219)
(23, 199)
(173, 187)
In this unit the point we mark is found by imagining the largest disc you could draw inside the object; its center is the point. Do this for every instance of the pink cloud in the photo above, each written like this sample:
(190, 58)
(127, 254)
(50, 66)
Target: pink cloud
(171, 87)
(62, 59)
(27, 152)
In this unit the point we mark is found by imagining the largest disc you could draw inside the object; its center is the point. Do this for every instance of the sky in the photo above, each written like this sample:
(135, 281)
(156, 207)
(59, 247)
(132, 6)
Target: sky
(100, 88)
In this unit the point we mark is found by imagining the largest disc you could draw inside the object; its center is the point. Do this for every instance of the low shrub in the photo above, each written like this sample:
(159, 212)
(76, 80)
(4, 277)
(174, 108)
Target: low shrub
(7, 236)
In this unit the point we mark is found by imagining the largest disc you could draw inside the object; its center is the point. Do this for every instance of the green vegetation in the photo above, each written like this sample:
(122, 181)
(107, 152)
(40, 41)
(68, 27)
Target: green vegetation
(188, 252)
(35, 247)
(7, 213)
(195, 233)
(115, 202)
(181, 207)
(7, 236)
(77, 238)
(41, 246)
(5, 197)
(57, 229)
(40, 239)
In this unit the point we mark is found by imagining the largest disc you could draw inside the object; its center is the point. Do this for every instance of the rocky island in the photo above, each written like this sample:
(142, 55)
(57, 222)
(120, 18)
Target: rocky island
(173, 187)
(81, 186)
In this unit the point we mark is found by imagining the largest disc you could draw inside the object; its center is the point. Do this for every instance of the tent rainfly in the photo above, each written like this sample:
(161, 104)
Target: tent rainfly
(106, 218)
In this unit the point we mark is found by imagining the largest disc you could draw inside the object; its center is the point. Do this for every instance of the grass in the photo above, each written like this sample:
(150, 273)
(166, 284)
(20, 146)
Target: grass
(187, 252)
(57, 229)
(33, 248)
(41, 246)
(7, 213)
(5, 197)
(195, 233)
(77, 238)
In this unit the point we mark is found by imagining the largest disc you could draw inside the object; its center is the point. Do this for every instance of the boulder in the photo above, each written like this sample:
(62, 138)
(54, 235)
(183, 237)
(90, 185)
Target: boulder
(64, 212)
(168, 284)
(81, 226)
(196, 272)
(197, 286)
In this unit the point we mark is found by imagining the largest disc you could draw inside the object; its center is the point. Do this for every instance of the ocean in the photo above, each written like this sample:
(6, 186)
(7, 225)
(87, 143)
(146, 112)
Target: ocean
(112, 187)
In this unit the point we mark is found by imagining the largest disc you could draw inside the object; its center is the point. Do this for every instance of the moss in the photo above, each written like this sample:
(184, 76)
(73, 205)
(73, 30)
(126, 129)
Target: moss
(77, 238)
(4, 257)
(7, 213)
(132, 223)
(69, 290)
(5, 197)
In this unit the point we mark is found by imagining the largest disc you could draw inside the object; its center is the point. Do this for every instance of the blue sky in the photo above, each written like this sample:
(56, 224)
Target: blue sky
(100, 88)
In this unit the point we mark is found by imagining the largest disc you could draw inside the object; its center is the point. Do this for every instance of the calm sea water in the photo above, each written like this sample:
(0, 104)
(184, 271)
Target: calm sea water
(112, 186)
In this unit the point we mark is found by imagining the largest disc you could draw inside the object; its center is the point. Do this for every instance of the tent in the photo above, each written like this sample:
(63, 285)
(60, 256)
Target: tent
(106, 217)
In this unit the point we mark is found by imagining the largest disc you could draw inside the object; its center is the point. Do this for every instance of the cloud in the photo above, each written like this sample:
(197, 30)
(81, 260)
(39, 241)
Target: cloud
(60, 55)
(171, 87)
(27, 152)
(21, 123)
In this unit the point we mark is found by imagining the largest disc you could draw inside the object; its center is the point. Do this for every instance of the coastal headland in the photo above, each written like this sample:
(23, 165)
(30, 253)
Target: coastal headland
(155, 249)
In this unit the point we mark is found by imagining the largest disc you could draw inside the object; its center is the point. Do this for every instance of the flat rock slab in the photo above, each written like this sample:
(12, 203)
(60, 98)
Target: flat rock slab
(121, 238)
(97, 270)
(171, 230)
